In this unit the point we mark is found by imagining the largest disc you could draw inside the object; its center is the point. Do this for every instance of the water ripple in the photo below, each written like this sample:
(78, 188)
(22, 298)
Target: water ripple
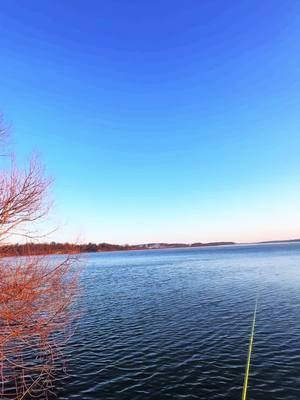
(175, 324)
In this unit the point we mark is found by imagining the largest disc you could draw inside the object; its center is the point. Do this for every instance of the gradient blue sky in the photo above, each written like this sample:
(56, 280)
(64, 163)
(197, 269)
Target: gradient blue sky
(159, 120)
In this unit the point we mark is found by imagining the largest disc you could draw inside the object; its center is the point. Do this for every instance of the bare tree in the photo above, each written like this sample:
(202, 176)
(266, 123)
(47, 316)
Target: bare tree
(36, 293)
(22, 199)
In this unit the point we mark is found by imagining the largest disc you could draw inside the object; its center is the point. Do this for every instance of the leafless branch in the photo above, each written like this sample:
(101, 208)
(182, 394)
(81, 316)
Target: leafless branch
(36, 293)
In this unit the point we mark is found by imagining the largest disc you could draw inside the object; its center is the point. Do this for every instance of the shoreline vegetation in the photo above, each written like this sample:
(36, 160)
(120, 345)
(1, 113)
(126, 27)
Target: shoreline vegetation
(38, 249)
(26, 249)
(38, 297)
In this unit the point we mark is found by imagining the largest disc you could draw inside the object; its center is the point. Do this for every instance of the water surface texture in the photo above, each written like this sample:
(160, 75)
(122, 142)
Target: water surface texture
(175, 324)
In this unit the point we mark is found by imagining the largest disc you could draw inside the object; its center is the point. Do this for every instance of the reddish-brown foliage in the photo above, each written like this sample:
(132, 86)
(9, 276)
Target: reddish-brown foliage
(36, 293)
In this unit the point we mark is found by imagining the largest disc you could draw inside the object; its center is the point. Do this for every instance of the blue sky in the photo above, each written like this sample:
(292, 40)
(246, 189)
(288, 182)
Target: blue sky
(159, 121)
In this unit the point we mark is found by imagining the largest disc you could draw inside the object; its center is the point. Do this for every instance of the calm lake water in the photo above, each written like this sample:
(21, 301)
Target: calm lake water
(175, 324)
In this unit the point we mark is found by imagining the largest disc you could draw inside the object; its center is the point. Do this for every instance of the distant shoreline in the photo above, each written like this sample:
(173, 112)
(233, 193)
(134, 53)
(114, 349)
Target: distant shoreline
(279, 241)
(70, 248)
(39, 249)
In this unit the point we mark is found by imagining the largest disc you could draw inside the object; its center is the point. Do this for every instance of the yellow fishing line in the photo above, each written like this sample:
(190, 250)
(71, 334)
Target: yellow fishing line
(249, 355)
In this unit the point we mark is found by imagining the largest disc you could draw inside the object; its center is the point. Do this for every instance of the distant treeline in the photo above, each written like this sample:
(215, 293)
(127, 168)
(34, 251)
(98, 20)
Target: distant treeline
(68, 248)
(281, 241)
(56, 248)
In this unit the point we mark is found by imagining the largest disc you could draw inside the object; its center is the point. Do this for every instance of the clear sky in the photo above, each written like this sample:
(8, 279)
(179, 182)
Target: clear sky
(159, 120)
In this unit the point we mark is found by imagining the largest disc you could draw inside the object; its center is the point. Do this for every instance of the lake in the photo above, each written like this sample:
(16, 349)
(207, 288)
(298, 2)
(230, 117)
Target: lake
(175, 324)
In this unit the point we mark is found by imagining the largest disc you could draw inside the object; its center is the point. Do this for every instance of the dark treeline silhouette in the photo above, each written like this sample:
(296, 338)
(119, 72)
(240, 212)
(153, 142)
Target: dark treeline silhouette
(56, 248)
(70, 248)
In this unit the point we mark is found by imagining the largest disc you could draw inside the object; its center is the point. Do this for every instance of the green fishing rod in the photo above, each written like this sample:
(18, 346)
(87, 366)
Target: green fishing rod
(244, 395)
